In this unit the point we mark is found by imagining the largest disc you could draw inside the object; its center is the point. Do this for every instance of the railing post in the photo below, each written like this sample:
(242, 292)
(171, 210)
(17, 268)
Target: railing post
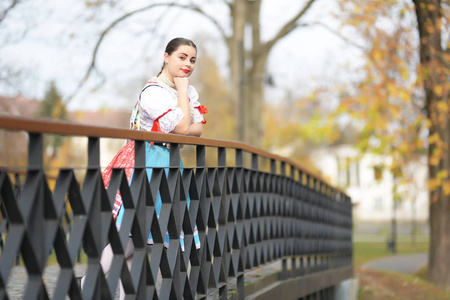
(221, 157)
(140, 195)
(17, 193)
(272, 210)
(93, 153)
(201, 156)
(308, 240)
(222, 223)
(283, 214)
(294, 215)
(200, 175)
(175, 155)
(300, 238)
(240, 226)
(174, 171)
(32, 207)
(239, 158)
(349, 218)
(91, 196)
(255, 162)
(315, 186)
(35, 152)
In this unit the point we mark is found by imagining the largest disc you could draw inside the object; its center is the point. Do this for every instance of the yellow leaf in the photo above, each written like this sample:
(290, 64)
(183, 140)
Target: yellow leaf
(433, 184)
(438, 90)
(404, 73)
(446, 188)
(442, 174)
(433, 138)
(377, 56)
(395, 111)
(442, 106)
(431, 7)
(438, 151)
(404, 96)
(403, 148)
(434, 161)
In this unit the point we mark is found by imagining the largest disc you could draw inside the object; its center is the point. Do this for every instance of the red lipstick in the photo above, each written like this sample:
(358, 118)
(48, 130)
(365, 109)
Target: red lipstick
(185, 70)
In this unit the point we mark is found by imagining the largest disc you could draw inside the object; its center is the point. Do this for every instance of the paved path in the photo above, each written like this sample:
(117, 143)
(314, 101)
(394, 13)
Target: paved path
(408, 264)
(18, 278)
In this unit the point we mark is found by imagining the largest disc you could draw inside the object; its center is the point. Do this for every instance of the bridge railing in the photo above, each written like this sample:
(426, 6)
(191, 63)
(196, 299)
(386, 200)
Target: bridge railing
(245, 216)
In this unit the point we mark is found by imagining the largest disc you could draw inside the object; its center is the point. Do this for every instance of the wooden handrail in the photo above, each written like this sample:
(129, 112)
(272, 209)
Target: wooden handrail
(40, 125)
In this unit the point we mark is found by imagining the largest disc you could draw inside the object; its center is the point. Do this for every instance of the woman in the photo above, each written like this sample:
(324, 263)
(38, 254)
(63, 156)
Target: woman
(169, 104)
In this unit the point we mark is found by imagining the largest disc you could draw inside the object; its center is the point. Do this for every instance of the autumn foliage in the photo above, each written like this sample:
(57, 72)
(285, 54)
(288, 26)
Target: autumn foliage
(401, 101)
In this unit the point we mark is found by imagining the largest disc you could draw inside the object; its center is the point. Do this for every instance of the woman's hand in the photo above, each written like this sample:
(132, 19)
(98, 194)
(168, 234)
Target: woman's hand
(181, 83)
(182, 86)
(185, 126)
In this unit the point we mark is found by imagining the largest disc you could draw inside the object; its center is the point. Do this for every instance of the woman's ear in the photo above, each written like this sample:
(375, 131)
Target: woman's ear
(166, 57)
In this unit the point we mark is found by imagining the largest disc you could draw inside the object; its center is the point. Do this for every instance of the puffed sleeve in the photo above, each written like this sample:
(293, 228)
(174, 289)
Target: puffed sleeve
(156, 102)
(197, 110)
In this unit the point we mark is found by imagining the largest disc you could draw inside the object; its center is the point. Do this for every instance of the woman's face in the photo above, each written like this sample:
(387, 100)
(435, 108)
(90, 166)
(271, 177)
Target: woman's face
(181, 62)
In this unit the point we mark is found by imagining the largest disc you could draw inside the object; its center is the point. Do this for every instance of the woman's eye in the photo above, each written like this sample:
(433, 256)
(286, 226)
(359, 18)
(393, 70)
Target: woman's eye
(192, 61)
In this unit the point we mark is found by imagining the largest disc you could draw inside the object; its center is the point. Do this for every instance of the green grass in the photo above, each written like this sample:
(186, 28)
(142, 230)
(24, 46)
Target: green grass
(365, 252)
(423, 273)
(397, 286)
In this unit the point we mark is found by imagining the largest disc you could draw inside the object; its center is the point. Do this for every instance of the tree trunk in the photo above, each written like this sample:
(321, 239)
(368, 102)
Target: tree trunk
(247, 69)
(435, 76)
(248, 65)
(439, 254)
(236, 63)
(255, 78)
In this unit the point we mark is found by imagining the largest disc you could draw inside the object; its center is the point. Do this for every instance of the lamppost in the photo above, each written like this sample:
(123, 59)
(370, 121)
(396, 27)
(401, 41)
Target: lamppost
(392, 243)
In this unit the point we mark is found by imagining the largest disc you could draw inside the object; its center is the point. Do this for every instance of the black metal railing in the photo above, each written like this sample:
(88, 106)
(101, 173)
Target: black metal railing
(246, 217)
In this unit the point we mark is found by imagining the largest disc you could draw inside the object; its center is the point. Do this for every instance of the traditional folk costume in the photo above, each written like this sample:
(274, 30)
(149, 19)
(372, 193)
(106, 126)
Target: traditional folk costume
(156, 110)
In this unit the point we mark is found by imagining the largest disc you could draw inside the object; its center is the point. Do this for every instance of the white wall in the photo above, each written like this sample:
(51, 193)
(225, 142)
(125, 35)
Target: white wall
(373, 199)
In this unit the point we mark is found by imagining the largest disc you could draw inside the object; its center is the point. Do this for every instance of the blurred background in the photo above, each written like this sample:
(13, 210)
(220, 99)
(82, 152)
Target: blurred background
(333, 84)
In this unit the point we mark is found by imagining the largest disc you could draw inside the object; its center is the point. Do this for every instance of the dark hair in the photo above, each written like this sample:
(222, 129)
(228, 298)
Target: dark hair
(173, 46)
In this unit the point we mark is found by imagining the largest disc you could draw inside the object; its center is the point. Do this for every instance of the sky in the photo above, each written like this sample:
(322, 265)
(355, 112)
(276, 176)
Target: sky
(45, 40)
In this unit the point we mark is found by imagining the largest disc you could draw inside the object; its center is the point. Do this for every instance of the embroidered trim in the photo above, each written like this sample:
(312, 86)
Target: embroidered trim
(171, 120)
(156, 127)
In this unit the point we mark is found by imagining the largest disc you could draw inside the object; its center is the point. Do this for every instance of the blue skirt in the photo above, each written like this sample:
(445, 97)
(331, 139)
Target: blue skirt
(159, 157)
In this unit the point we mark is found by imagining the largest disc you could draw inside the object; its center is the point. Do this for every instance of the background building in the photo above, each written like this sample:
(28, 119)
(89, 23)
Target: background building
(373, 189)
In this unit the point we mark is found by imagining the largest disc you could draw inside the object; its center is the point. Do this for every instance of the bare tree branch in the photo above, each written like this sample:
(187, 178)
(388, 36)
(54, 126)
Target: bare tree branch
(345, 39)
(5, 12)
(99, 41)
(289, 26)
(126, 16)
(209, 17)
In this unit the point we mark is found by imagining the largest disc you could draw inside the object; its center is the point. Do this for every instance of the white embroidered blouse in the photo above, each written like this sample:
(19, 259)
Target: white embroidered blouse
(158, 100)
